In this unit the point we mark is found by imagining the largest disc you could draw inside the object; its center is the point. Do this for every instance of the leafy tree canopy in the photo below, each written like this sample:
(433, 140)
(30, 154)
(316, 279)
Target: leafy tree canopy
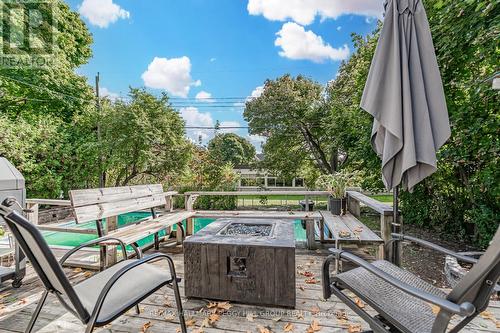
(291, 113)
(55, 88)
(231, 148)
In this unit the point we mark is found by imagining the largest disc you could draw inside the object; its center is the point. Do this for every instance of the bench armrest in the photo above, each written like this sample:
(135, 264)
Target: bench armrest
(463, 309)
(92, 243)
(435, 247)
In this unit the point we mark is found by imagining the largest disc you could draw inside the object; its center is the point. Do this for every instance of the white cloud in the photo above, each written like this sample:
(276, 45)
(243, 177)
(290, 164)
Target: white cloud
(213, 59)
(105, 92)
(305, 12)
(257, 92)
(205, 97)
(298, 44)
(339, 28)
(229, 123)
(194, 118)
(102, 13)
(172, 75)
(257, 141)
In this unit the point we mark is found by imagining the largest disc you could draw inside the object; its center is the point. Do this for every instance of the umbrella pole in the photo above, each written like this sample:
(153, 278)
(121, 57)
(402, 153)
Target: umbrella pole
(397, 227)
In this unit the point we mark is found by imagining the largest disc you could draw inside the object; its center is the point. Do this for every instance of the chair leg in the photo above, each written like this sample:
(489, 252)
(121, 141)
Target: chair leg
(178, 302)
(39, 307)
(137, 309)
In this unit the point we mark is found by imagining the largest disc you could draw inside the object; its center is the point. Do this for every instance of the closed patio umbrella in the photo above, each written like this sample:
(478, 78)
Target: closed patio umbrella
(405, 96)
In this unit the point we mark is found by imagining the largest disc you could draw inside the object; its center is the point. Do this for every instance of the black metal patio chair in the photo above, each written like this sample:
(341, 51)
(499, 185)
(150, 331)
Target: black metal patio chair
(406, 303)
(103, 297)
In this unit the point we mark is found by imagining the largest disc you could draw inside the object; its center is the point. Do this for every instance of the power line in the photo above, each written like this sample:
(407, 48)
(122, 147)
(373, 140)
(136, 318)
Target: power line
(41, 87)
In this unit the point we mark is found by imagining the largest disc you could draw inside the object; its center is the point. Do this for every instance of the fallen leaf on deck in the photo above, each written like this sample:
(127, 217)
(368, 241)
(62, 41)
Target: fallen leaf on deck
(87, 274)
(263, 329)
(191, 322)
(312, 281)
(213, 318)
(307, 274)
(146, 326)
(315, 310)
(300, 267)
(198, 330)
(224, 305)
(300, 315)
(23, 301)
(211, 305)
(276, 319)
(314, 327)
(250, 317)
(341, 315)
(301, 288)
(288, 327)
(169, 317)
(359, 303)
(77, 270)
(354, 328)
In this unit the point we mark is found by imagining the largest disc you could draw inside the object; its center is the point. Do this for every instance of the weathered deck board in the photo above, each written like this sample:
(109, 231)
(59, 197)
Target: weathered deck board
(19, 305)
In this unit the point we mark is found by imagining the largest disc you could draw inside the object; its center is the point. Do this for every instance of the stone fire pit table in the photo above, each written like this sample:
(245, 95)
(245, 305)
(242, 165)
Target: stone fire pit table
(242, 260)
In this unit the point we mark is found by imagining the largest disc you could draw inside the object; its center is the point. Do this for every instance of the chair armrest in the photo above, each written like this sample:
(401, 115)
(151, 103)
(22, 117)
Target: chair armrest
(125, 269)
(92, 243)
(462, 257)
(463, 309)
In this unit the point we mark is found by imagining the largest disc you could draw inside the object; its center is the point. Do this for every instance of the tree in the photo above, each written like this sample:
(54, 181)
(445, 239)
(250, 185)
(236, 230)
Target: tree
(231, 148)
(292, 113)
(467, 182)
(351, 125)
(143, 139)
(54, 89)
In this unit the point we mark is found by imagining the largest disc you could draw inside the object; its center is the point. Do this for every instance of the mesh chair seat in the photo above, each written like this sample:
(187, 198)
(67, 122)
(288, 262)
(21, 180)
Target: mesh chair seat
(126, 292)
(406, 312)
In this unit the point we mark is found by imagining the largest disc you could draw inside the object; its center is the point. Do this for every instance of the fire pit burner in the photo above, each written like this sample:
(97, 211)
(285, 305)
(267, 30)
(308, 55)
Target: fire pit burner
(246, 229)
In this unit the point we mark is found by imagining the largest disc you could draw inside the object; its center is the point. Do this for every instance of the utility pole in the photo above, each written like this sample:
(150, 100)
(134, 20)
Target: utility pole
(98, 106)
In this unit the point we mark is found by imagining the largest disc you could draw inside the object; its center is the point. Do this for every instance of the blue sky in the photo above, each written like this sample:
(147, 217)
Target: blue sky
(218, 49)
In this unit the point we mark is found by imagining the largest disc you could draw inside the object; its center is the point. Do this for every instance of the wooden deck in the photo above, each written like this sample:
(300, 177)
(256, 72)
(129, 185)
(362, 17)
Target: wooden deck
(16, 306)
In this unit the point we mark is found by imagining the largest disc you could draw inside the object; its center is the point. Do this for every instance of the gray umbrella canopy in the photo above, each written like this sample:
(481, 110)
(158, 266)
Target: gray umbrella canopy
(405, 96)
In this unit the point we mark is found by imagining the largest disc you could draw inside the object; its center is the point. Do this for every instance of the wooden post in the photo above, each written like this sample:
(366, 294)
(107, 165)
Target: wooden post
(189, 226)
(353, 206)
(385, 233)
(311, 239)
(33, 215)
(169, 204)
(111, 256)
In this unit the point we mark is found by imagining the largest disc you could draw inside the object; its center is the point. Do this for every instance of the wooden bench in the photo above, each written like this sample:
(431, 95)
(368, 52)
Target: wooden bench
(354, 199)
(108, 203)
(355, 232)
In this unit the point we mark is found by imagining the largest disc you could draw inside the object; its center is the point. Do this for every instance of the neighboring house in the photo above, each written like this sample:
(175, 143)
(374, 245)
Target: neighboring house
(253, 179)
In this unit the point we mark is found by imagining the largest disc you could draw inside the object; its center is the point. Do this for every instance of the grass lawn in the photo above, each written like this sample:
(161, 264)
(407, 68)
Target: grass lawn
(281, 199)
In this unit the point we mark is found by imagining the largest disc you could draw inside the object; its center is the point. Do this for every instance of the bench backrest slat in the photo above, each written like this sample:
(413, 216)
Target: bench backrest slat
(94, 204)
(376, 205)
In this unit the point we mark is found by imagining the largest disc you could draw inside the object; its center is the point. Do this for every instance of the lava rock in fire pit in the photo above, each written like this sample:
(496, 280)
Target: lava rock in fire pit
(244, 229)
